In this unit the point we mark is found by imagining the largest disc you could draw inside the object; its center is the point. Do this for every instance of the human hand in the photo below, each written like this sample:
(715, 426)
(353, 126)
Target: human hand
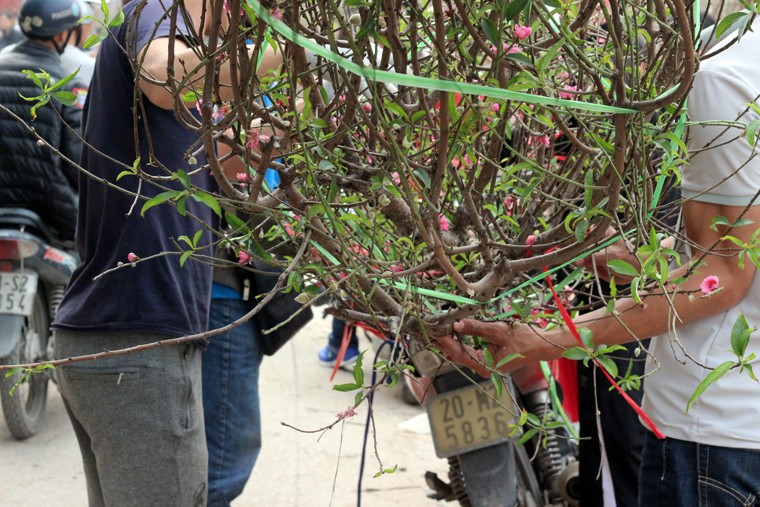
(504, 340)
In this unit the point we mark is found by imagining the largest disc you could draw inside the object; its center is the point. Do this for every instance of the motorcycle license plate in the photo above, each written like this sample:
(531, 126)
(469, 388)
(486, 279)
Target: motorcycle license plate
(469, 418)
(17, 292)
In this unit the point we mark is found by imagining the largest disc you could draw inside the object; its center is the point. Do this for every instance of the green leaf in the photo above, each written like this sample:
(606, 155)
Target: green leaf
(124, 173)
(498, 383)
(587, 337)
(344, 388)
(183, 258)
(527, 435)
(588, 188)
(358, 398)
(750, 131)
(36, 78)
(395, 109)
(104, 9)
(580, 230)
(94, 39)
(509, 357)
(635, 289)
(358, 371)
(182, 177)
(237, 224)
(209, 200)
(182, 205)
(490, 30)
(488, 357)
(513, 9)
(64, 81)
(66, 98)
(608, 364)
(159, 199)
(12, 372)
(740, 335)
(117, 20)
(622, 267)
(714, 375)
(718, 220)
(576, 354)
(729, 22)
(197, 237)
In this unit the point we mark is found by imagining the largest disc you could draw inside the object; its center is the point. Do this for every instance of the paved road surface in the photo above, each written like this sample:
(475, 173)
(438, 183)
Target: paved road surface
(293, 470)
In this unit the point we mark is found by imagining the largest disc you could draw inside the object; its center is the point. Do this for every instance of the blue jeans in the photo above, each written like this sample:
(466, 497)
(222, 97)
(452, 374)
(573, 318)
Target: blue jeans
(677, 473)
(231, 401)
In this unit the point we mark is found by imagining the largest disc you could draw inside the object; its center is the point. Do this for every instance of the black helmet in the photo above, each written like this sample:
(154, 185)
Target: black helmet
(44, 19)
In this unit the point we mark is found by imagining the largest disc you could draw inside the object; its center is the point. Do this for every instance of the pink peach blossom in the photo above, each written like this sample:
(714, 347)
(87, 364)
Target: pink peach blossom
(132, 257)
(349, 412)
(522, 32)
(709, 284)
(567, 92)
(444, 222)
(243, 257)
(536, 140)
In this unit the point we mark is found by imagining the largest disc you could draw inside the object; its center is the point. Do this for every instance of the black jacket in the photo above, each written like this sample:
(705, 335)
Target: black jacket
(34, 176)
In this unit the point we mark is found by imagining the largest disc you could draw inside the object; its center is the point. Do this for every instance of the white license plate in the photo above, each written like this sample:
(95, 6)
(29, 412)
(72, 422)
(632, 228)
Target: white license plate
(470, 418)
(17, 292)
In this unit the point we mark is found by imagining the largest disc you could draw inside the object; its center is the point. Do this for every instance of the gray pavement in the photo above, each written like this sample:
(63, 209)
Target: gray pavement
(294, 469)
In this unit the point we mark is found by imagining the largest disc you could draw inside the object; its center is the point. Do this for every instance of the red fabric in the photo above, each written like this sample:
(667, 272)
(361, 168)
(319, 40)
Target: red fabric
(565, 372)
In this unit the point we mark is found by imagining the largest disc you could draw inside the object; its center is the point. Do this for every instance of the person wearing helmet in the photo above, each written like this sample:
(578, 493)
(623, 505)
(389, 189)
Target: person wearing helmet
(37, 175)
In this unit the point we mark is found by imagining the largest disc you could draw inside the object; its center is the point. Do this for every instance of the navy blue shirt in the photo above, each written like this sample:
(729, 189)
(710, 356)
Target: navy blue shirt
(156, 295)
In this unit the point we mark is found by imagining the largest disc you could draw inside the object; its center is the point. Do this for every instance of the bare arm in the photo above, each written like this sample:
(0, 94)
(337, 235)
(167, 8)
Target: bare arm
(156, 64)
(633, 320)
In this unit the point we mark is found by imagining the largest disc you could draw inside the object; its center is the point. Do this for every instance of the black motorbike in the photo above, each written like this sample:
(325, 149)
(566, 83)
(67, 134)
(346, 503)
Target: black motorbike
(33, 276)
(474, 429)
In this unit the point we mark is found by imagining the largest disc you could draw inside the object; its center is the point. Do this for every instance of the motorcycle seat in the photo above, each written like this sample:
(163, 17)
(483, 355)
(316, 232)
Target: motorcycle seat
(30, 220)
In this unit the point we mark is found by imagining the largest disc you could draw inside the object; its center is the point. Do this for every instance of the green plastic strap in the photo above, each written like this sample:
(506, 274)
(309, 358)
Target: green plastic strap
(446, 296)
(388, 77)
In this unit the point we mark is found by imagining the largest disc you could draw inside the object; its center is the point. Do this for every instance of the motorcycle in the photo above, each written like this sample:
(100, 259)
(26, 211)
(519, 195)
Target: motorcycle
(475, 430)
(33, 276)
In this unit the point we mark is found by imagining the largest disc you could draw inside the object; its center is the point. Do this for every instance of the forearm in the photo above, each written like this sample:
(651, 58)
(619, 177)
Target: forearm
(660, 312)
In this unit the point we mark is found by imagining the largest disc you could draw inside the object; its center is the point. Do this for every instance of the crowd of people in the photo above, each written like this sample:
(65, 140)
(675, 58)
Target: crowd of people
(174, 426)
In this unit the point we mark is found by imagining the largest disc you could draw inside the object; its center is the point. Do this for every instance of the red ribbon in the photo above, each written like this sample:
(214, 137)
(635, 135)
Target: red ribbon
(571, 325)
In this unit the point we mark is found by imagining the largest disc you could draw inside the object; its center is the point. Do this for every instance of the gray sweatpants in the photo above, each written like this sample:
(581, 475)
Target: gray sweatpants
(138, 419)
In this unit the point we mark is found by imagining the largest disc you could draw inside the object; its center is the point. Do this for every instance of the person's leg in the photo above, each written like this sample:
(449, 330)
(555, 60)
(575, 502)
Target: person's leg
(231, 402)
(94, 492)
(141, 416)
(623, 434)
(675, 473)
(328, 354)
(338, 330)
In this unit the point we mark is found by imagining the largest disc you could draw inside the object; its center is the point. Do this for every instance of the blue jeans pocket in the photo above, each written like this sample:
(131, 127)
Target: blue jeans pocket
(716, 493)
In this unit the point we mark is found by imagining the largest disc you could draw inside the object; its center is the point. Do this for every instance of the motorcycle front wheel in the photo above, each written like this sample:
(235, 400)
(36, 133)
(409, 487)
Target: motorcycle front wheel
(24, 409)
